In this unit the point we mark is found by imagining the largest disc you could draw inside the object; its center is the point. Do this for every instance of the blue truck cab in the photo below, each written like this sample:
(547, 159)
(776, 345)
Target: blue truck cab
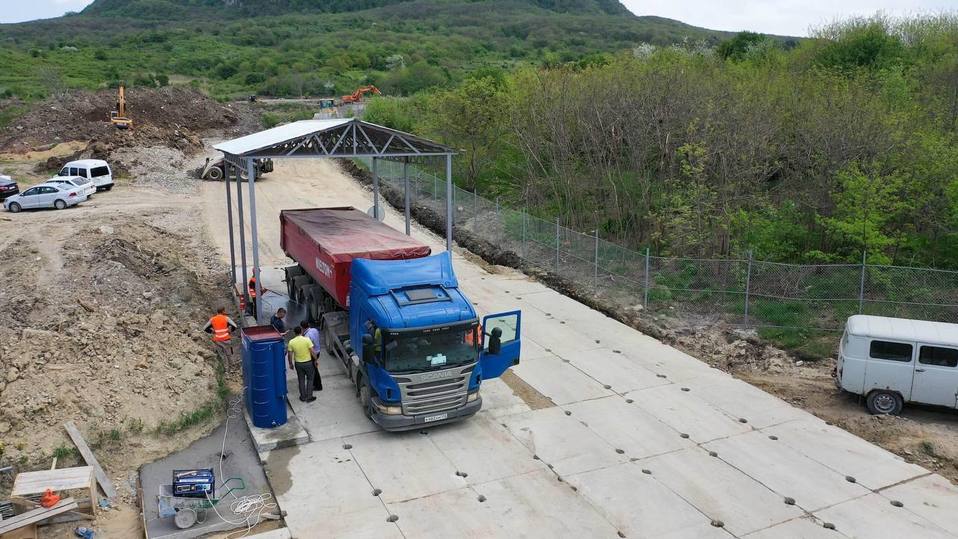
(417, 350)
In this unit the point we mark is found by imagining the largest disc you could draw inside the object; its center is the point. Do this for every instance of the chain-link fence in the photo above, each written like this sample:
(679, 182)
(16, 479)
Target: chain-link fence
(748, 292)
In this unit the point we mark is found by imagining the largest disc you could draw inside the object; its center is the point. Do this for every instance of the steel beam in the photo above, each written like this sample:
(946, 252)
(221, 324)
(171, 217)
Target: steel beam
(405, 188)
(251, 181)
(229, 221)
(375, 169)
(449, 203)
(242, 236)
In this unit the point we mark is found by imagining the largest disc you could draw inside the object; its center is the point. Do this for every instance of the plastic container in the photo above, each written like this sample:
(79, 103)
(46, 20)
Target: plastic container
(264, 376)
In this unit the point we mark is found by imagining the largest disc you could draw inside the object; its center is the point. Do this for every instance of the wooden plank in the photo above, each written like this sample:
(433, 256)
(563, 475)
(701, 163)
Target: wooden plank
(56, 480)
(101, 477)
(37, 515)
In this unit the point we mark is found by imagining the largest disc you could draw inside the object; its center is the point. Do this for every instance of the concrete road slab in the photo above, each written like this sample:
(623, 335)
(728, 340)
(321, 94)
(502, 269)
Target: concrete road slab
(874, 516)
(335, 413)
(686, 413)
(870, 465)
(536, 504)
(799, 528)
(702, 531)
(932, 497)
(484, 450)
(616, 371)
(636, 503)
(559, 381)
(742, 504)
(786, 471)
(741, 400)
(404, 465)
(319, 485)
(499, 400)
(562, 441)
(627, 427)
(533, 505)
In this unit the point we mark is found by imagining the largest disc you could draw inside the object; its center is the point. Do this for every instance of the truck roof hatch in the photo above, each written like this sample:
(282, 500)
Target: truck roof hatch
(414, 296)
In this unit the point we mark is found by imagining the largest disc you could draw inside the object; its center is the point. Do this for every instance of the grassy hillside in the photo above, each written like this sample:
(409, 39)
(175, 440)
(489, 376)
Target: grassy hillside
(402, 46)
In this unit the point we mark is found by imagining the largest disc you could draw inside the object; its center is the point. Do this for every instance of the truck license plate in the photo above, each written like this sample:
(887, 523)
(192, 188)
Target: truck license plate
(437, 417)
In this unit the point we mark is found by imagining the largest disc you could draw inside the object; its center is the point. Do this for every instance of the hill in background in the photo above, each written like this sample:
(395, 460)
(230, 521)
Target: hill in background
(231, 48)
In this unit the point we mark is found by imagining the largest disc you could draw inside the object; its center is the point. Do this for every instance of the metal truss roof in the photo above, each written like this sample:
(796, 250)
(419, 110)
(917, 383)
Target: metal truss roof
(343, 138)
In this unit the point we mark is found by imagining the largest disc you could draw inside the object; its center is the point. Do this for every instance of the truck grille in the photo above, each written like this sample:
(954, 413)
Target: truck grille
(434, 391)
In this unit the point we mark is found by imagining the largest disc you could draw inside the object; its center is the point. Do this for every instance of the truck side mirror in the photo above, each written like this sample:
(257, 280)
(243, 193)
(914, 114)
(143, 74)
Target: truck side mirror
(368, 348)
(495, 341)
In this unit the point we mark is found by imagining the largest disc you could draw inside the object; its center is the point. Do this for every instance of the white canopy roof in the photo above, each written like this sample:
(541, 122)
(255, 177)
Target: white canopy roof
(278, 135)
(338, 137)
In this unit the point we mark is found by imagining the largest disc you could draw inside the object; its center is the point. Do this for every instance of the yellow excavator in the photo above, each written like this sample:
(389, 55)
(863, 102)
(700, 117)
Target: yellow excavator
(118, 117)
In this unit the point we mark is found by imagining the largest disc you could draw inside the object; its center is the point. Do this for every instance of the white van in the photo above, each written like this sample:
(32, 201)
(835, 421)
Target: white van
(94, 169)
(892, 361)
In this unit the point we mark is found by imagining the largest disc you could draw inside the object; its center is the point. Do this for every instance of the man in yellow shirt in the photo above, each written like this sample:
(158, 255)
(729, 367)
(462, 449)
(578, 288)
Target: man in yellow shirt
(299, 353)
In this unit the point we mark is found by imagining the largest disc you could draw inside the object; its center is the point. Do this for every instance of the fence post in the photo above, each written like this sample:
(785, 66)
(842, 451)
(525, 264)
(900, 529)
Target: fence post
(522, 244)
(557, 245)
(497, 206)
(475, 199)
(595, 274)
(435, 188)
(645, 296)
(861, 287)
(748, 285)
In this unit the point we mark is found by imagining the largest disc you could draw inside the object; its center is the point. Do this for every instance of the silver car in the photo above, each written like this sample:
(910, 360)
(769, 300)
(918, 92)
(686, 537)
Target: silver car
(84, 185)
(44, 195)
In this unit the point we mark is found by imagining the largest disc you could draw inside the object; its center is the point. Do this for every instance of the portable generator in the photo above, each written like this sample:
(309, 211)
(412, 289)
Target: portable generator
(198, 483)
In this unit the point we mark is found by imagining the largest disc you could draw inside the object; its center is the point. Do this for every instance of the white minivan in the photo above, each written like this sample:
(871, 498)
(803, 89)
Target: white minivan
(892, 361)
(94, 169)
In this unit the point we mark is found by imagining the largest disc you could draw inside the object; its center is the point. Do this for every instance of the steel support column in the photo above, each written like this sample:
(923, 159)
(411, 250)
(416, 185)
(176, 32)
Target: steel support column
(229, 221)
(449, 203)
(251, 181)
(242, 236)
(405, 188)
(375, 189)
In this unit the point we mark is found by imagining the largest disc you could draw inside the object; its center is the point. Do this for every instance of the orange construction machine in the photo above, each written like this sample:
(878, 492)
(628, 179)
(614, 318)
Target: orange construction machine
(357, 96)
(118, 117)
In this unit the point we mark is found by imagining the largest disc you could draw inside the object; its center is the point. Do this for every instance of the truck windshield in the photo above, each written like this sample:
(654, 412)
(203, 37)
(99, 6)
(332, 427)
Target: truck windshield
(431, 349)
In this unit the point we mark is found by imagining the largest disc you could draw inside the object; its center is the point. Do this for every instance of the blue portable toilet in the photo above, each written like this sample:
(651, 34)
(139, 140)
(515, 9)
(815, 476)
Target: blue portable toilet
(264, 376)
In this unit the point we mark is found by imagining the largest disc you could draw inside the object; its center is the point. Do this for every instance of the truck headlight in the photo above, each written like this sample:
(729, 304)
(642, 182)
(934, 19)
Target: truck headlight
(388, 410)
(473, 396)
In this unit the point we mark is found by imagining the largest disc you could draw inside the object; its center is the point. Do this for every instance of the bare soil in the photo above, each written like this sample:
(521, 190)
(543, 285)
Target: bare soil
(104, 305)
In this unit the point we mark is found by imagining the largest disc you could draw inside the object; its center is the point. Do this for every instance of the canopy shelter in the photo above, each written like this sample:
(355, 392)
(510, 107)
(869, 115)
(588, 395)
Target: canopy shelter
(345, 138)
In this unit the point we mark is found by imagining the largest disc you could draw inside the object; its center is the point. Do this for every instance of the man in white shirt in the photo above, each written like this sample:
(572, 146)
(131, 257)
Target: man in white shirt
(311, 332)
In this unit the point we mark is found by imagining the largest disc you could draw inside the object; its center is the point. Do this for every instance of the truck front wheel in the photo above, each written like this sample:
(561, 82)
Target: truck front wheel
(364, 395)
(881, 402)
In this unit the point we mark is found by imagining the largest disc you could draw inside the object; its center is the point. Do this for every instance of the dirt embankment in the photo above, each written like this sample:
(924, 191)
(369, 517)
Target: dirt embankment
(167, 127)
(922, 435)
(103, 308)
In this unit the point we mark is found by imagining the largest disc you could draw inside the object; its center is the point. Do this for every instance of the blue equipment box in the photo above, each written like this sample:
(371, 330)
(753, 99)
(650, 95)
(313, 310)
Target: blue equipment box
(198, 483)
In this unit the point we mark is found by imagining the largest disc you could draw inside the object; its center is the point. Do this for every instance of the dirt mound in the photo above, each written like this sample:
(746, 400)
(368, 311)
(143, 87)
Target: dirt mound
(101, 326)
(169, 116)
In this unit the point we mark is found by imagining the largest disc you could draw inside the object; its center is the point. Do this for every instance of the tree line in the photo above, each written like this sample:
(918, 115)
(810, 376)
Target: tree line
(801, 152)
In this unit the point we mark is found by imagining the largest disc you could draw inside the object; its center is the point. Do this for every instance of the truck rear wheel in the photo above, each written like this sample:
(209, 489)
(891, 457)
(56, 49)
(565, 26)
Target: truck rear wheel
(296, 283)
(214, 174)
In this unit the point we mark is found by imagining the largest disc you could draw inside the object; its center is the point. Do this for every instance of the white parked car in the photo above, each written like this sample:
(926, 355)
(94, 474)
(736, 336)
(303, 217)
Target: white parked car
(45, 195)
(96, 170)
(892, 361)
(83, 185)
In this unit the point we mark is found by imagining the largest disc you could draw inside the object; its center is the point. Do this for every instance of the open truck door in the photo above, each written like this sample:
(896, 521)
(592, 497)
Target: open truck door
(500, 343)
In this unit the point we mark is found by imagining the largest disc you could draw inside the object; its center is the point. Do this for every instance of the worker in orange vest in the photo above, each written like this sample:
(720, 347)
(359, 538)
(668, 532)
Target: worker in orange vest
(251, 285)
(221, 327)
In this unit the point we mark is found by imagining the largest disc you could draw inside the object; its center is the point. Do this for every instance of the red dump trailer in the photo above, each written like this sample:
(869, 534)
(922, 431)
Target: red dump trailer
(324, 242)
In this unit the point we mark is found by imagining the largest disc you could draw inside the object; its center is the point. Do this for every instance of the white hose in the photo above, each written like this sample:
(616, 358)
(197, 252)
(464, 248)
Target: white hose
(253, 506)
